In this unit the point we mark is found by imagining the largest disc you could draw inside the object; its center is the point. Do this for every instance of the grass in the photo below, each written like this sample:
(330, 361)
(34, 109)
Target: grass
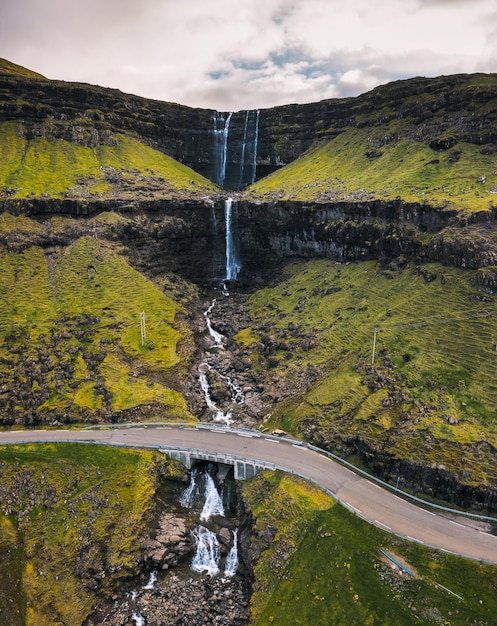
(283, 503)
(7, 67)
(432, 393)
(341, 170)
(336, 573)
(70, 331)
(72, 512)
(56, 168)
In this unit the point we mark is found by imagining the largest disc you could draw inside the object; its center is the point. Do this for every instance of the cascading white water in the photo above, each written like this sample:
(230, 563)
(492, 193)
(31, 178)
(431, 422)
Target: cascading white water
(237, 394)
(248, 147)
(256, 142)
(218, 338)
(248, 156)
(213, 502)
(244, 147)
(138, 619)
(219, 415)
(190, 492)
(232, 262)
(232, 559)
(204, 383)
(221, 132)
(151, 581)
(207, 555)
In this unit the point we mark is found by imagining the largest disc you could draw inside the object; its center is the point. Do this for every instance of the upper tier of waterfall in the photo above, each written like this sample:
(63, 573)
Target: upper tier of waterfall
(235, 144)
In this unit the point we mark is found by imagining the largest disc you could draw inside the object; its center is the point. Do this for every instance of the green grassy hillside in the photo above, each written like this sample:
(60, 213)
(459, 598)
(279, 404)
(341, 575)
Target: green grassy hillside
(7, 67)
(324, 567)
(364, 164)
(70, 336)
(71, 520)
(88, 168)
(432, 392)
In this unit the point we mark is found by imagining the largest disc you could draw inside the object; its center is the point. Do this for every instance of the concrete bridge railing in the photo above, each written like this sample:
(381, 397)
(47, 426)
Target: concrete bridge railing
(243, 468)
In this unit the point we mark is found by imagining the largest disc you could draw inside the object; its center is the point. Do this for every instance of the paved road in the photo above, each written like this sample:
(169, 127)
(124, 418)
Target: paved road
(370, 501)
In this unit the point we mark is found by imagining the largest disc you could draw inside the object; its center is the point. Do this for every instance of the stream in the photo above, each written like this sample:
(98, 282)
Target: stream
(207, 587)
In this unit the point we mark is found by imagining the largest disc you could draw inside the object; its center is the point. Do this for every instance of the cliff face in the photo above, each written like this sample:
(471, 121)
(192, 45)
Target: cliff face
(438, 111)
(189, 238)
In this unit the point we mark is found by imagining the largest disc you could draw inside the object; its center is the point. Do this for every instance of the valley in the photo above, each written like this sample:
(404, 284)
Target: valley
(326, 270)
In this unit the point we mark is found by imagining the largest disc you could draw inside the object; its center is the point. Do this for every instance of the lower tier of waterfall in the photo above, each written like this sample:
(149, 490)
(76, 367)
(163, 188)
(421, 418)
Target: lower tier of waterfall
(202, 491)
(208, 553)
(232, 559)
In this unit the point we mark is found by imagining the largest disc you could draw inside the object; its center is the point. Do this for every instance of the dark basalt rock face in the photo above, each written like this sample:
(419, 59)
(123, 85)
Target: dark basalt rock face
(89, 115)
(189, 238)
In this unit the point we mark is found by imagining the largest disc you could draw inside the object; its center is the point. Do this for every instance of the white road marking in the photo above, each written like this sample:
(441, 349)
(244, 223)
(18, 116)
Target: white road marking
(457, 524)
(353, 507)
(373, 484)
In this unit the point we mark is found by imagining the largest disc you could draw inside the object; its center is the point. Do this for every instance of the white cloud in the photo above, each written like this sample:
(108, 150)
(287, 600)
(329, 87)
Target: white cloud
(252, 53)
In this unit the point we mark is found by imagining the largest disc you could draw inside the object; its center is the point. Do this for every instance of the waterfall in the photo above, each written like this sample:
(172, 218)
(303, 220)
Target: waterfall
(207, 555)
(244, 145)
(218, 338)
(248, 140)
(190, 492)
(220, 416)
(213, 501)
(232, 263)
(256, 141)
(204, 383)
(232, 559)
(221, 131)
(138, 619)
(151, 581)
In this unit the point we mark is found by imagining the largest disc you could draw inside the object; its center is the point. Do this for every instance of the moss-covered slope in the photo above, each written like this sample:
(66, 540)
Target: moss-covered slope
(71, 341)
(7, 67)
(426, 140)
(118, 166)
(324, 565)
(72, 517)
(365, 164)
(429, 397)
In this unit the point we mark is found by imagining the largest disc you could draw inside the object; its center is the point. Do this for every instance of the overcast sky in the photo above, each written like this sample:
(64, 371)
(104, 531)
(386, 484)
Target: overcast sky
(245, 54)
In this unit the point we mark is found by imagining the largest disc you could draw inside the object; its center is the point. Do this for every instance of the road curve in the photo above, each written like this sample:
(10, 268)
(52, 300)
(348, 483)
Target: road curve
(370, 501)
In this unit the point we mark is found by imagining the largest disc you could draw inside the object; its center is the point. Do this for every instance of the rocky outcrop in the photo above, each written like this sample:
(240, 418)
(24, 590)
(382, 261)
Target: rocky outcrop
(181, 600)
(433, 481)
(171, 544)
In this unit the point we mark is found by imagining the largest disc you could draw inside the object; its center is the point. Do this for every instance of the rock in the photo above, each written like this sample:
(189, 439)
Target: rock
(224, 536)
(158, 557)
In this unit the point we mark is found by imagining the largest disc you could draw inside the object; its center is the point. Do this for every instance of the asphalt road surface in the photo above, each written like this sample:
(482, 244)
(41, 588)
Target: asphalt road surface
(379, 506)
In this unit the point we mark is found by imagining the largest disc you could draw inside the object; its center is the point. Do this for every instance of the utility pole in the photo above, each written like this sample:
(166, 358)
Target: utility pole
(374, 345)
(143, 330)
